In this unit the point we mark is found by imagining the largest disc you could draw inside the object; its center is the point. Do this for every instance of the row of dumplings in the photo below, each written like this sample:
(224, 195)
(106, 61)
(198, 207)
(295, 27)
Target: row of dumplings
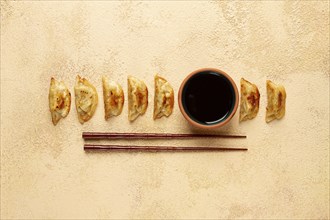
(250, 97)
(86, 98)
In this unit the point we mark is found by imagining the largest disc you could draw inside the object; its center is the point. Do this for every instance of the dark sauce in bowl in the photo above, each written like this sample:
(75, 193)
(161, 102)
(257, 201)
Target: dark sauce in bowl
(208, 97)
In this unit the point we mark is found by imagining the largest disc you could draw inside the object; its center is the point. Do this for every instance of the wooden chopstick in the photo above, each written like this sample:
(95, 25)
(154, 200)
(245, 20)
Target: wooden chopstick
(157, 148)
(105, 135)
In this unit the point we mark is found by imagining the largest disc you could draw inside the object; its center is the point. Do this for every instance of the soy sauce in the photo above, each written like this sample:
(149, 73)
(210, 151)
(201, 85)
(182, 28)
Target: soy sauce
(208, 97)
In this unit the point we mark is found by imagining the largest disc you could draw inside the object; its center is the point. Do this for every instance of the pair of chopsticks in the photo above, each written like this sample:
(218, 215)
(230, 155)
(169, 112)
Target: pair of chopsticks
(101, 135)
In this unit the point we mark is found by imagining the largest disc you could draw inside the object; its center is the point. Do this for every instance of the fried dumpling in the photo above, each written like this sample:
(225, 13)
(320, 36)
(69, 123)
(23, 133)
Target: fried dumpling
(164, 98)
(59, 100)
(276, 97)
(137, 98)
(113, 97)
(86, 99)
(250, 98)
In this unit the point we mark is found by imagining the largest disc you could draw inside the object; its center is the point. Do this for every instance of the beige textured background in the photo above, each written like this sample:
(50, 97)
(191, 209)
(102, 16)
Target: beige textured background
(46, 174)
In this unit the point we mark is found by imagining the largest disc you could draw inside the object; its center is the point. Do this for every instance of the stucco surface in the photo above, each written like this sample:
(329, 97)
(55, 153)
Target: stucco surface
(45, 174)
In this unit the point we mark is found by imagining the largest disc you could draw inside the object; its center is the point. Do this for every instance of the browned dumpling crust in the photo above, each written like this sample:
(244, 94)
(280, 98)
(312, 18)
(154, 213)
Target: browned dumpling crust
(86, 99)
(137, 98)
(276, 96)
(59, 100)
(164, 98)
(113, 97)
(250, 98)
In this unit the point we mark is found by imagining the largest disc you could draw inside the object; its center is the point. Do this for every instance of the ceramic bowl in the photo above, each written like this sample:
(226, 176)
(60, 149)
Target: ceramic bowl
(233, 94)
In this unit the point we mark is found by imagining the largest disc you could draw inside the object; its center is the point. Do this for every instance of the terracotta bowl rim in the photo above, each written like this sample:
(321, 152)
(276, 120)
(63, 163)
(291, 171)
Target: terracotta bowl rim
(221, 123)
